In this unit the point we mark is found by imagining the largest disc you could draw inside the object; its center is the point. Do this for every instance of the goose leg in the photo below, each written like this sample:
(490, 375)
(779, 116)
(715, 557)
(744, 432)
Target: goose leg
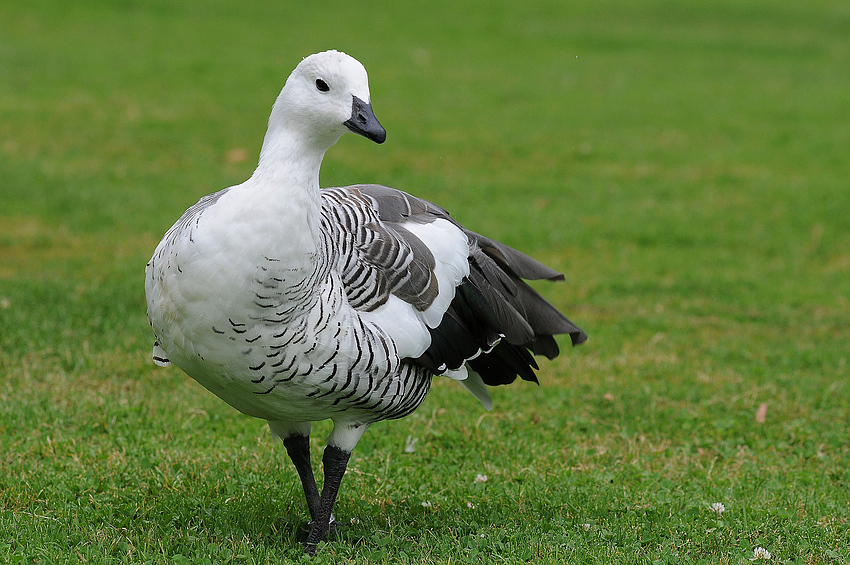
(335, 461)
(298, 449)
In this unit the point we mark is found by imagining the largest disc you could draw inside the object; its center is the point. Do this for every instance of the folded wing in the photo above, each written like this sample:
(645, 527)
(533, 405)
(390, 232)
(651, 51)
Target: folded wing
(405, 256)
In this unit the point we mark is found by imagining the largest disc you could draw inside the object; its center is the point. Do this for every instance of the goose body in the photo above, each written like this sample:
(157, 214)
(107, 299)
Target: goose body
(296, 304)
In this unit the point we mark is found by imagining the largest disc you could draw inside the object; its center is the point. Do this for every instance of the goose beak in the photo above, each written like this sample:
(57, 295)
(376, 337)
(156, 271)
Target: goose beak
(364, 122)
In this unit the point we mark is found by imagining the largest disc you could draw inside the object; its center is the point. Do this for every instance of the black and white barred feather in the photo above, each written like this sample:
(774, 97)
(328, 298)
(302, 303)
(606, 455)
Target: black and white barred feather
(495, 319)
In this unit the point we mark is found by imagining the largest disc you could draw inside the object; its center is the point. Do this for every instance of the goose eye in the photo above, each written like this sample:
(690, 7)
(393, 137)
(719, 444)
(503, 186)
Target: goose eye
(322, 86)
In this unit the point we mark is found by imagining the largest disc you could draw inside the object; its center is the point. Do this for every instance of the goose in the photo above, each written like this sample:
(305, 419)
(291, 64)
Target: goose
(296, 304)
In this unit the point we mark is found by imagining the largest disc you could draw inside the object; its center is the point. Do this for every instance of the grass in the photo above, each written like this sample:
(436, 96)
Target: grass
(685, 164)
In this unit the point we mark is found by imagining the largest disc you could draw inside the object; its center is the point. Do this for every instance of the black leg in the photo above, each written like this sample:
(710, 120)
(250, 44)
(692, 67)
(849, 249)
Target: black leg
(298, 449)
(334, 460)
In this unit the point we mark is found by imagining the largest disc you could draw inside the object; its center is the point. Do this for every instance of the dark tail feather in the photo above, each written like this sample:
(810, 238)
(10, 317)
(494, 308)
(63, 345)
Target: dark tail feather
(516, 262)
(495, 318)
(523, 315)
(494, 302)
(504, 363)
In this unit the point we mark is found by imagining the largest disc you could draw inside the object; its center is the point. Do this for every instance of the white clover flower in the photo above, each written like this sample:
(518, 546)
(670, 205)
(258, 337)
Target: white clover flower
(718, 507)
(479, 478)
(410, 444)
(760, 553)
(426, 504)
(586, 527)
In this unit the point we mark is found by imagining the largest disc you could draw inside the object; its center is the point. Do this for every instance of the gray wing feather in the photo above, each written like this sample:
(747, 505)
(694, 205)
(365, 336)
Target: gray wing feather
(523, 313)
(396, 206)
(376, 256)
(495, 318)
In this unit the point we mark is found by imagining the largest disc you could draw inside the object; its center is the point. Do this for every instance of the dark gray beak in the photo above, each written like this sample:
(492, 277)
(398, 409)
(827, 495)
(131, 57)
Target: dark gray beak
(364, 122)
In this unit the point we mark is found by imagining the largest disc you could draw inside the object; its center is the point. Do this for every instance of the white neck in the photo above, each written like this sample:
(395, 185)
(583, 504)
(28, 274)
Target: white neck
(289, 157)
(286, 184)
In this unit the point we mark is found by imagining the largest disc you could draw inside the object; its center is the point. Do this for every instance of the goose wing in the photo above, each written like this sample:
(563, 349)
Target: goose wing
(405, 257)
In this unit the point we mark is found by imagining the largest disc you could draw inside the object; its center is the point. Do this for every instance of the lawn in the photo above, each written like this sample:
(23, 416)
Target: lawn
(685, 164)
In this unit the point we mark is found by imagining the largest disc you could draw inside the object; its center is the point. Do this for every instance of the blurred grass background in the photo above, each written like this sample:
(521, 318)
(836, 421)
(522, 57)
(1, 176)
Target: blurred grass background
(685, 164)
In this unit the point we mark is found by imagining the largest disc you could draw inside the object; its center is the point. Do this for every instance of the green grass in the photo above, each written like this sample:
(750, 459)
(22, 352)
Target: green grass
(684, 163)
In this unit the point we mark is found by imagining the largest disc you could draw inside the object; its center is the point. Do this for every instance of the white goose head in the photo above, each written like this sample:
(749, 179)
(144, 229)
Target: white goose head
(326, 95)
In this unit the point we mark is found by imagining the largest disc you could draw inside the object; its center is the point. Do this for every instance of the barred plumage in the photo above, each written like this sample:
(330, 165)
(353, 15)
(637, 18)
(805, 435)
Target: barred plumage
(296, 304)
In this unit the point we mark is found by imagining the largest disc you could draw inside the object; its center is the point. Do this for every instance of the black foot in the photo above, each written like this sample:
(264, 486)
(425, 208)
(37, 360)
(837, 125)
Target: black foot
(334, 461)
(333, 528)
(298, 448)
